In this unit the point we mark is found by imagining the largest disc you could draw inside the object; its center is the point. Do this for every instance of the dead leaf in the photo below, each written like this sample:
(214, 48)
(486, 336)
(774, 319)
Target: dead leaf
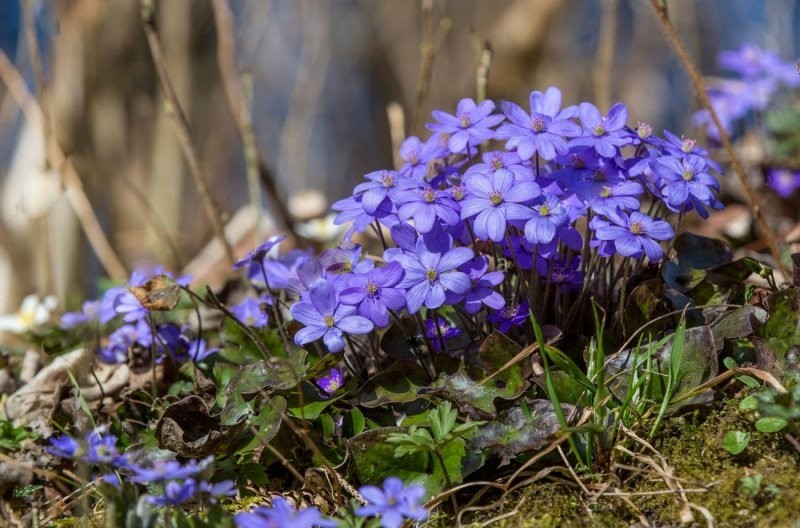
(160, 294)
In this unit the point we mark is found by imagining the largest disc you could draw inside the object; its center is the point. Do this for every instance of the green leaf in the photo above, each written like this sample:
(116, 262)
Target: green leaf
(736, 441)
(512, 433)
(771, 424)
(353, 423)
(782, 330)
(398, 383)
(266, 423)
(748, 404)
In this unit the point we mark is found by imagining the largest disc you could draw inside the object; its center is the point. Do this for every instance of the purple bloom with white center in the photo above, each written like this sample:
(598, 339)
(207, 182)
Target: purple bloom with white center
(494, 202)
(783, 181)
(251, 312)
(163, 470)
(429, 275)
(561, 273)
(417, 154)
(632, 235)
(542, 130)
(255, 258)
(498, 161)
(381, 185)
(90, 312)
(282, 515)
(341, 260)
(102, 448)
(511, 315)
(471, 125)
(324, 316)
(425, 206)
(483, 281)
(603, 133)
(393, 503)
(64, 446)
(623, 195)
(375, 292)
(331, 383)
(545, 220)
(445, 330)
(175, 493)
(687, 181)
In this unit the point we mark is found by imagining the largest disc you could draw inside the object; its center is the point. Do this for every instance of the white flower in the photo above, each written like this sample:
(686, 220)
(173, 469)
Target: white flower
(32, 312)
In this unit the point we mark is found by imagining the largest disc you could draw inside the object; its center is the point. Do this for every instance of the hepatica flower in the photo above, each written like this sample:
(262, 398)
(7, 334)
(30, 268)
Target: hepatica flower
(445, 330)
(417, 154)
(545, 220)
(483, 281)
(603, 133)
(472, 124)
(493, 202)
(325, 317)
(511, 315)
(393, 503)
(632, 235)
(375, 292)
(378, 187)
(251, 312)
(542, 130)
(783, 181)
(282, 515)
(426, 205)
(687, 181)
(331, 383)
(429, 275)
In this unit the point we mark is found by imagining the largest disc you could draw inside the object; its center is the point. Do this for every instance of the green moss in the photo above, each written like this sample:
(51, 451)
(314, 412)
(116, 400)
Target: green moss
(692, 447)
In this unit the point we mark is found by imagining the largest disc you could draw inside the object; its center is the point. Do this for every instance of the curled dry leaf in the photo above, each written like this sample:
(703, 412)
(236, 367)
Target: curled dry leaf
(190, 430)
(158, 294)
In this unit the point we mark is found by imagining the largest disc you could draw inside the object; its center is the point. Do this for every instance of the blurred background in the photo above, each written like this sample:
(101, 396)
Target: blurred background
(322, 86)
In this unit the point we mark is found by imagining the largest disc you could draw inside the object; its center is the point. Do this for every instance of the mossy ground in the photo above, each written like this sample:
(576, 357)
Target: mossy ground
(692, 445)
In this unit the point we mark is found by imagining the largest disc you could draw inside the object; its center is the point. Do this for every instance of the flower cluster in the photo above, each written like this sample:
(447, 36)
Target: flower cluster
(391, 504)
(759, 76)
(129, 324)
(178, 482)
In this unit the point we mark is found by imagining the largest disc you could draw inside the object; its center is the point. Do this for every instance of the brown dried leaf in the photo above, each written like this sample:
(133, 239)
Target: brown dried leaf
(159, 294)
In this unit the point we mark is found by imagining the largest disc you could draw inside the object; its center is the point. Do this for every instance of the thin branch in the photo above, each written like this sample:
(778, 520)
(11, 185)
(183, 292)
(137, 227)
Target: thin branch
(181, 126)
(605, 53)
(660, 7)
(234, 97)
(69, 178)
(431, 40)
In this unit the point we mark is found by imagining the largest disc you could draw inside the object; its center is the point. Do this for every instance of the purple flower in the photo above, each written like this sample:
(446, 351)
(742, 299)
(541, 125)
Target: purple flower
(251, 312)
(255, 258)
(90, 312)
(543, 130)
(175, 493)
(224, 488)
(783, 181)
(331, 383)
(430, 274)
(483, 281)
(381, 185)
(417, 155)
(545, 220)
(199, 350)
(681, 146)
(623, 196)
(393, 503)
(634, 234)
(163, 470)
(64, 446)
(472, 124)
(123, 338)
(445, 330)
(324, 316)
(603, 133)
(374, 292)
(102, 449)
(511, 315)
(687, 181)
(561, 273)
(282, 515)
(425, 206)
(128, 305)
(351, 210)
(495, 202)
(499, 161)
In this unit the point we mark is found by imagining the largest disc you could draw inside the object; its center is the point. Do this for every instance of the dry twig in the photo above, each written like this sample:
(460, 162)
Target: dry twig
(675, 41)
(181, 126)
(69, 178)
